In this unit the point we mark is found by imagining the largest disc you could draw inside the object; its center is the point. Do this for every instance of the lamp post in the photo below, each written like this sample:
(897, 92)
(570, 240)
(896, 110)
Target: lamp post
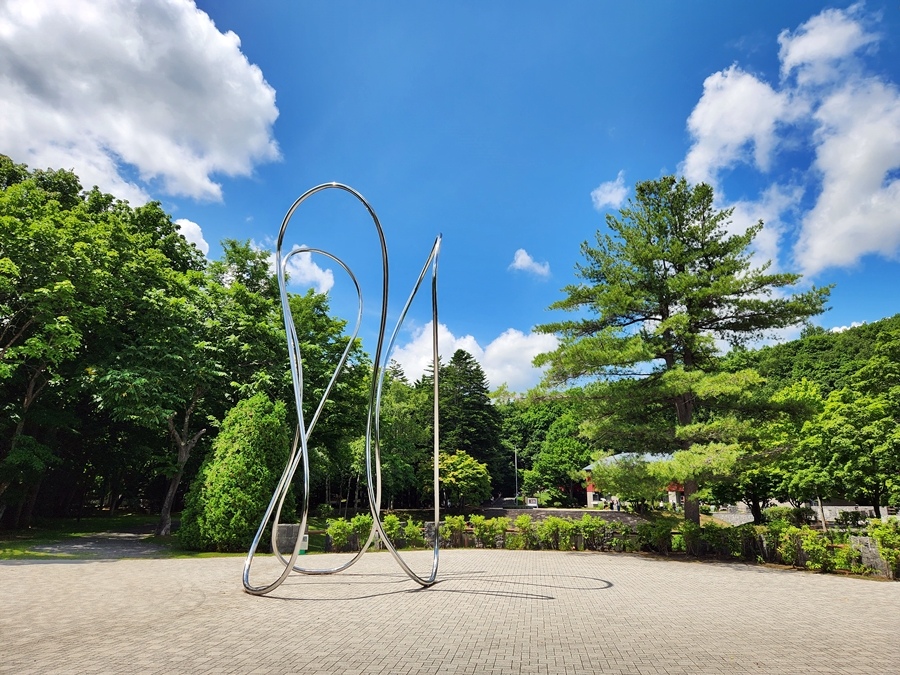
(516, 460)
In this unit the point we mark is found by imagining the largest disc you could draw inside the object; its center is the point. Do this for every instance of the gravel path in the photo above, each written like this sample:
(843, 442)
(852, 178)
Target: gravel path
(106, 546)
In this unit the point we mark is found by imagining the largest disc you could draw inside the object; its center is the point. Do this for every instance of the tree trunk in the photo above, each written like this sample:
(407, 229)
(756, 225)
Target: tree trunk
(691, 505)
(32, 391)
(30, 501)
(756, 510)
(184, 445)
(164, 527)
(821, 513)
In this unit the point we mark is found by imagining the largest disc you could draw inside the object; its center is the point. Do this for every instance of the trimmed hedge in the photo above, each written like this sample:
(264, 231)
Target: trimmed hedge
(778, 542)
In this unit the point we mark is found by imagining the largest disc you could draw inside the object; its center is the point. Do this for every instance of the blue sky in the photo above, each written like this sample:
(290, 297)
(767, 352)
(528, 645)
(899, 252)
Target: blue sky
(511, 128)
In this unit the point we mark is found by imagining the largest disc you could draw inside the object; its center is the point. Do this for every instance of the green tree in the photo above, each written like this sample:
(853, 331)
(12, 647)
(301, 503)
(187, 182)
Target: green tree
(406, 451)
(630, 477)
(79, 273)
(525, 423)
(322, 341)
(237, 480)
(560, 463)
(469, 421)
(464, 480)
(855, 440)
(658, 289)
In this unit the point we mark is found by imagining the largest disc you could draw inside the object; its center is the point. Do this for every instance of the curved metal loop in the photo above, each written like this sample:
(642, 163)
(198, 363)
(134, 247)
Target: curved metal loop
(299, 451)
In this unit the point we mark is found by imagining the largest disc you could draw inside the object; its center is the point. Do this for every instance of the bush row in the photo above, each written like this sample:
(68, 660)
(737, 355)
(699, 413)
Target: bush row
(779, 541)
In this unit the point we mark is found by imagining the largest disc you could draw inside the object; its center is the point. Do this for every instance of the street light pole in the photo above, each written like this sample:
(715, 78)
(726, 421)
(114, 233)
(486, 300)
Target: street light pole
(516, 456)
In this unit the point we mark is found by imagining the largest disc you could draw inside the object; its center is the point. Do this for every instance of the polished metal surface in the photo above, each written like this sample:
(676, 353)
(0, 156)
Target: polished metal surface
(299, 451)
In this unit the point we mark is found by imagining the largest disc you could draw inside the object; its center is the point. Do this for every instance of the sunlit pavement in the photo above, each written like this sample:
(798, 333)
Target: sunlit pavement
(491, 612)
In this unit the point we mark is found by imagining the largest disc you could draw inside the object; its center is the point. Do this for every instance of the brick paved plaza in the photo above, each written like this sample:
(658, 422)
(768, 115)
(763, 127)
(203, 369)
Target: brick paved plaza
(492, 612)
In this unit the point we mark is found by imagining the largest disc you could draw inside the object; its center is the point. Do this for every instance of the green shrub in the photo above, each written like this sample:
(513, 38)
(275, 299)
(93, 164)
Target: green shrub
(234, 485)
(592, 532)
(514, 541)
(480, 529)
(847, 557)
(790, 549)
(362, 527)
(798, 517)
(391, 525)
(499, 526)
(721, 540)
(412, 531)
(489, 532)
(816, 551)
(887, 537)
(548, 533)
(771, 539)
(691, 535)
(778, 513)
(750, 541)
(340, 531)
(566, 534)
(457, 524)
(527, 529)
(655, 536)
(452, 531)
(851, 519)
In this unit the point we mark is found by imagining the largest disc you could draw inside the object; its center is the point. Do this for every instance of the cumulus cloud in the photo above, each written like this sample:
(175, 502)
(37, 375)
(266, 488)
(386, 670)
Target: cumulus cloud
(821, 46)
(611, 193)
(303, 271)
(192, 232)
(854, 324)
(857, 155)
(774, 206)
(735, 120)
(136, 96)
(826, 104)
(505, 360)
(523, 261)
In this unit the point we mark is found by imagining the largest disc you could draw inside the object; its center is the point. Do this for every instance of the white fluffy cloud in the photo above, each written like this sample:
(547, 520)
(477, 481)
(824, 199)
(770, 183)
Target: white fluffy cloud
(611, 193)
(524, 262)
(858, 148)
(735, 120)
(506, 360)
(854, 324)
(821, 46)
(121, 88)
(828, 104)
(304, 271)
(192, 232)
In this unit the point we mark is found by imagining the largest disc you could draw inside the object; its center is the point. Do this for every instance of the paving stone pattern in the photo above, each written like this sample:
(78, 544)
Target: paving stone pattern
(492, 612)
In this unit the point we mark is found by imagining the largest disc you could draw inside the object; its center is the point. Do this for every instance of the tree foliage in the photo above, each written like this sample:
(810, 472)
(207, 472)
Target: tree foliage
(464, 479)
(658, 289)
(236, 482)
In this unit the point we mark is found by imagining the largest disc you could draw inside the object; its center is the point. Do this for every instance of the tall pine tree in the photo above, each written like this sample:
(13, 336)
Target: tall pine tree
(658, 290)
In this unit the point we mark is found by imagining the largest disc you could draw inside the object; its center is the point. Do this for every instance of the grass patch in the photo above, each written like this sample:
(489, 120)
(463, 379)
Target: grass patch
(20, 544)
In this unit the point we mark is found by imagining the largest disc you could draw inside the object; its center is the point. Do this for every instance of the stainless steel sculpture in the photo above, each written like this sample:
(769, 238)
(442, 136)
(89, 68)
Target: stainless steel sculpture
(299, 450)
